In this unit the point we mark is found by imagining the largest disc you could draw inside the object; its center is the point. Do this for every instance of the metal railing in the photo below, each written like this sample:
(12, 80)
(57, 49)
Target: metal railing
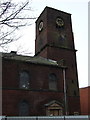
(79, 117)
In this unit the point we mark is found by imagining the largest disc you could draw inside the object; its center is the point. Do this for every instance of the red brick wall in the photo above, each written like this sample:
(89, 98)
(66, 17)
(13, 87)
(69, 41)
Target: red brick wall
(36, 100)
(39, 74)
(74, 105)
(38, 94)
(84, 100)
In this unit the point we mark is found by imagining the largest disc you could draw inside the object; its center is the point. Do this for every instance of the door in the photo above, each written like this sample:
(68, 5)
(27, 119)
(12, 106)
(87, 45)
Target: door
(55, 112)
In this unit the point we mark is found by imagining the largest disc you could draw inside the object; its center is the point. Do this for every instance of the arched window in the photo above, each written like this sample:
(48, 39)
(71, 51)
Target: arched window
(52, 81)
(23, 108)
(24, 80)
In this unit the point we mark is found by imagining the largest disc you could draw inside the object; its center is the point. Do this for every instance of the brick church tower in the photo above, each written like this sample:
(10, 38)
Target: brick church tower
(54, 40)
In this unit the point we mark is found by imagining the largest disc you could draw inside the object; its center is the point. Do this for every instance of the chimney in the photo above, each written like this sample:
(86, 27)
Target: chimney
(13, 52)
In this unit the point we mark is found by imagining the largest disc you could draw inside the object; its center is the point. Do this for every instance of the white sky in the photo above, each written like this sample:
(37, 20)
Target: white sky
(79, 11)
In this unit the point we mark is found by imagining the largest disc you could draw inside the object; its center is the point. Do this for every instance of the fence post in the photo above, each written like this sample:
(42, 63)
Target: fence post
(64, 117)
(5, 117)
(36, 118)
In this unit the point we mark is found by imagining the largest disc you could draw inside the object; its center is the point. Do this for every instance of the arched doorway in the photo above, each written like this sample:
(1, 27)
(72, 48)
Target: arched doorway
(23, 108)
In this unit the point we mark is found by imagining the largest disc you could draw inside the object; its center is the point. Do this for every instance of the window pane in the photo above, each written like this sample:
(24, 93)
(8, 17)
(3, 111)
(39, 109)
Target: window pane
(24, 79)
(52, 82)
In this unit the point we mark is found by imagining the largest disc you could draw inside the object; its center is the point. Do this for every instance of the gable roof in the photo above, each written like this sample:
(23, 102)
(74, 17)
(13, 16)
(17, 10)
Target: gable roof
(53, 102)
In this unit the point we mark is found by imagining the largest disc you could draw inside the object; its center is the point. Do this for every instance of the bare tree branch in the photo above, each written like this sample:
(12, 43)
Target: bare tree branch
(12, 17)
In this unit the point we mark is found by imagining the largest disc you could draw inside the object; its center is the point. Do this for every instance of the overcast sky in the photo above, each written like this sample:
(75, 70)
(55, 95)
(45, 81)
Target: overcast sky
(79, 11)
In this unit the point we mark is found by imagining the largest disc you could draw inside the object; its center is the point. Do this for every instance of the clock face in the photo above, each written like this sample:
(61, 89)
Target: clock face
(40, 26)
(59, 22)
